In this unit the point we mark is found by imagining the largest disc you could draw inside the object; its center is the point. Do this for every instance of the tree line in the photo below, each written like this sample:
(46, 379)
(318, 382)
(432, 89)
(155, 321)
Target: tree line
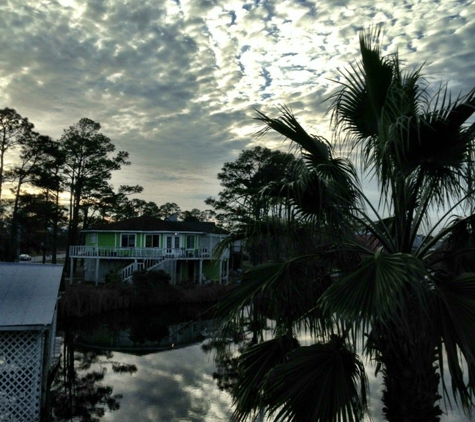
(58, 187)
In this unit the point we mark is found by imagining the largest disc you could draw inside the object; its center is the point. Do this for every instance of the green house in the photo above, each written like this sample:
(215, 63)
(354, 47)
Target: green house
(184, 249)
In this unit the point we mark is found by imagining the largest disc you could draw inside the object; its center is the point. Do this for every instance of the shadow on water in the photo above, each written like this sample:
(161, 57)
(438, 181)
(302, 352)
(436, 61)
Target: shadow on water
(79, 390)
(143, 331)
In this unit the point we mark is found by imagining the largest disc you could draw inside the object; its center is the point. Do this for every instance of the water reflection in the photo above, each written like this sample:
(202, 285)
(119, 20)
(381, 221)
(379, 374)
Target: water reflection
(78, 392)
(144, 366)
(172, 386)
(151, 366)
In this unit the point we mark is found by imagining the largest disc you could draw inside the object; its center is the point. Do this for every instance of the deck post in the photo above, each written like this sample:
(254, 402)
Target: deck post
(200, 281)
(227, 270)
(220, 270)
(97, 271)
(71, 263)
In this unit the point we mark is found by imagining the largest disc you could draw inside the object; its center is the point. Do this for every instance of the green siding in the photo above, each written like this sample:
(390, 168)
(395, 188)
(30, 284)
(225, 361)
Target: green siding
(100, 239)
(106, 239)
(113, 239)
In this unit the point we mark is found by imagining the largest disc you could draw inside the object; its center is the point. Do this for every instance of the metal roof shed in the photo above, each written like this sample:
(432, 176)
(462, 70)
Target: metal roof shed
(28, 298)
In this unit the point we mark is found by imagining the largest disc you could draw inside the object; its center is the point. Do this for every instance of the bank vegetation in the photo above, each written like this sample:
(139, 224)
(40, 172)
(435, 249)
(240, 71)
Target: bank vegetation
(147, 289)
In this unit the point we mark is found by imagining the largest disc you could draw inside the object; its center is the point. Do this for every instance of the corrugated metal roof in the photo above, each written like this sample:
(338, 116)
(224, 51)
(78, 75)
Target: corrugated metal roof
(28, 294)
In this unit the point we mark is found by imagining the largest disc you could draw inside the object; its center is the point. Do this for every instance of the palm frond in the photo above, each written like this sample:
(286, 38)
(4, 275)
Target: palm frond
(253, 284)
(324, 383)
(374, 291)
(288, 126)
(254, 365)
(286, 293)
(326, 188)
(455, 310)
(358, 106)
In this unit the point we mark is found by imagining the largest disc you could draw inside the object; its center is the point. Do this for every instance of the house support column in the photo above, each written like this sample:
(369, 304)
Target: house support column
(97, 271)
(227, 271)
(200, 280)
(71, 263)
(179, 272)
(220, 271)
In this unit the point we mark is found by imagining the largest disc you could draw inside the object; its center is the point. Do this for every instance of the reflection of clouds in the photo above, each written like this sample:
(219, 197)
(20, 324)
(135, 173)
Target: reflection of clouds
(169, 386)
(177, 385)
(376, 389)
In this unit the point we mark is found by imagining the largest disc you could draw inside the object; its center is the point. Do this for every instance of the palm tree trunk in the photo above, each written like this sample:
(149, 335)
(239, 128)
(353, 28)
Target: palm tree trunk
(410, 372)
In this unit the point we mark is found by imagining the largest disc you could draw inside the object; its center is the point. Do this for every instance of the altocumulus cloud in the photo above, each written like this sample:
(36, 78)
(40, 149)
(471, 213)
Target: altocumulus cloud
(175, 82)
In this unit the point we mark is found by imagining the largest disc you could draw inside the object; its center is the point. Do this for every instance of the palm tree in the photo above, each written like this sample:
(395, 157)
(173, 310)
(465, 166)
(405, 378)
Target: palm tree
(411, 306)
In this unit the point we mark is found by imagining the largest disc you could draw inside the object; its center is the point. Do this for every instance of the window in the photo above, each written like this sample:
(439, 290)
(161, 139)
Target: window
(190, 241)
(127, 240)
(152, 240)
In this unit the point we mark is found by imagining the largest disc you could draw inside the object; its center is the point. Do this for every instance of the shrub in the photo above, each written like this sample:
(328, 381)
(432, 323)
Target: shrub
(153, 287)
(144, 279)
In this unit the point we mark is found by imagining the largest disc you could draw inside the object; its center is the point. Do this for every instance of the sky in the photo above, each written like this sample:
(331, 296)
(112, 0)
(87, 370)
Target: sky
(176, 82)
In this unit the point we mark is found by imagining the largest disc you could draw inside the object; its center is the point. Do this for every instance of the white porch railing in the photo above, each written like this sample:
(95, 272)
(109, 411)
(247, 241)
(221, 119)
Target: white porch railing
(142, 253)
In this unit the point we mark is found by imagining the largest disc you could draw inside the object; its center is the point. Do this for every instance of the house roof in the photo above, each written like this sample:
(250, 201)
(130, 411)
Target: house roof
(28, 295)
(148, 223)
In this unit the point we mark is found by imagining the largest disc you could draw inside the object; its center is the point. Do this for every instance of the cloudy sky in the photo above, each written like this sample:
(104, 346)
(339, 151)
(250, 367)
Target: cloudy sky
(175, 82)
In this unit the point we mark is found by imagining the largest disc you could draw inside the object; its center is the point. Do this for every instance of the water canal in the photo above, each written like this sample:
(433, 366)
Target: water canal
(138, 366)
(149, 366)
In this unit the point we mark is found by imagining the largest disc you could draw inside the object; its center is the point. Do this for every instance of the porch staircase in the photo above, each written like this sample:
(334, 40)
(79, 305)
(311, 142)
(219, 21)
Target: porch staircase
(146, 264)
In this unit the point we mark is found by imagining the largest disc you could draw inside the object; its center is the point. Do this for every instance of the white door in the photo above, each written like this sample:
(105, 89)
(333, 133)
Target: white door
(173, 245)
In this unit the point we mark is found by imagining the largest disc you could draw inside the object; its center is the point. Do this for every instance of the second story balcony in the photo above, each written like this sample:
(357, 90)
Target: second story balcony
(139, 253)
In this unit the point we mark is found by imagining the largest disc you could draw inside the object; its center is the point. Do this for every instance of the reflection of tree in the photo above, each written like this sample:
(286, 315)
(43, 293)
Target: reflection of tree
(147, 328)
(226, 347)
(226, 374)
(77, 391)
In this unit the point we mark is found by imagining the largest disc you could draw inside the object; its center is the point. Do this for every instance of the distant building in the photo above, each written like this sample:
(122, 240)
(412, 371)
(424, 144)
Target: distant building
(184, 249)
(28, 298)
